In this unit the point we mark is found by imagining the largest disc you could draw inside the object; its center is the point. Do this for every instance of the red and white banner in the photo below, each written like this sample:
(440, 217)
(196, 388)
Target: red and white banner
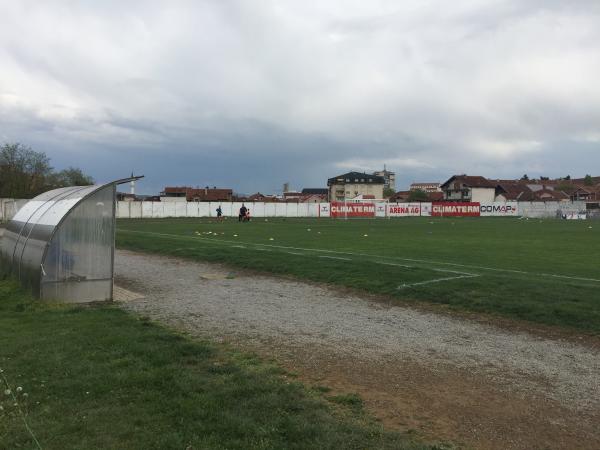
(403, 209)
(341, 209)
(452, 209)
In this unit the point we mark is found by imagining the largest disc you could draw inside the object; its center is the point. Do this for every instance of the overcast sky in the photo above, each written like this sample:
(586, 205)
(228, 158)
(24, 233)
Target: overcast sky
(251, 94)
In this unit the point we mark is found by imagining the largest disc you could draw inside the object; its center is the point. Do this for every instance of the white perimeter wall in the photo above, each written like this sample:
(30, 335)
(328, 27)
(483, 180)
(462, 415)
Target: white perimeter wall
(138, 210)
(9, 207)
(550, 209)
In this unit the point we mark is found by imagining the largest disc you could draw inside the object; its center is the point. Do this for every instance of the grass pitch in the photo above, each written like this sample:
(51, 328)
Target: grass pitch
(544, 271)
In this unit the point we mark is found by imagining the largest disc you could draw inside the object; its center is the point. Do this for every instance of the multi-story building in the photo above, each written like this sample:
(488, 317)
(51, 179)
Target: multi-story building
(353, 184)
(388, 177)
(426, 187)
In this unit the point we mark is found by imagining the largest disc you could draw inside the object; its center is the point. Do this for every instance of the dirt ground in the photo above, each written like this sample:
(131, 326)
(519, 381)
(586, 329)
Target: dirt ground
(448, 378)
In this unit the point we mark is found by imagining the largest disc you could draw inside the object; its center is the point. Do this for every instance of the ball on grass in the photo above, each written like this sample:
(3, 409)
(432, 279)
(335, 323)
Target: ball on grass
(271, 239)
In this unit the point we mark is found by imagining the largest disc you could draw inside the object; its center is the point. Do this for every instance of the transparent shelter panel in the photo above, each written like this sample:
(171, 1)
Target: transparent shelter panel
(81, 249)
(60, 244)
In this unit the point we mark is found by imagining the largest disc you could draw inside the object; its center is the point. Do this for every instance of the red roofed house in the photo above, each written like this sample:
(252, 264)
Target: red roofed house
(258, 197)
(400, 197)
(314, 195)
(586, 193)
(435, 196)
(463, 188)
(189, 194)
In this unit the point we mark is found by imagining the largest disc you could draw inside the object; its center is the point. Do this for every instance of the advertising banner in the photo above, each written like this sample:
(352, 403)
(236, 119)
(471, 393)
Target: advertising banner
(341, 209)
(404, 209)
(455, 209)
(499, 209)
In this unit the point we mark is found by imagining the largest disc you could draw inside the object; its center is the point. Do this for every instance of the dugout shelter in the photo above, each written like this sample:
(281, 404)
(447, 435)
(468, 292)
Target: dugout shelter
(61, 244)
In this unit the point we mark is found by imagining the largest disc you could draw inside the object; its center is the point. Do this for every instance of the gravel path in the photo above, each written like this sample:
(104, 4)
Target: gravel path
(265, 312)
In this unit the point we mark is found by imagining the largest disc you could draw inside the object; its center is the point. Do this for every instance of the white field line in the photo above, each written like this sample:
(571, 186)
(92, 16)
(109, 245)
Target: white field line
(424, 261)
(334, 257)
(449, 271)
(563, 276)
(256, 245)
(394, 264)
(437, 280)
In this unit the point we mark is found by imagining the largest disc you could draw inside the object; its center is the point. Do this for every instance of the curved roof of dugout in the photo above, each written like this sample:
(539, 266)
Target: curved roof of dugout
(28, 236)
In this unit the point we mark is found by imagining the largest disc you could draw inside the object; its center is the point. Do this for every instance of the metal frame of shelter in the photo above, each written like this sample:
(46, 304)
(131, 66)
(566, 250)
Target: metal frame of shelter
(61, 244)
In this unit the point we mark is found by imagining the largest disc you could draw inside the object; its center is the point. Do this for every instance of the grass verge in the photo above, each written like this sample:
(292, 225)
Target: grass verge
(98, 377)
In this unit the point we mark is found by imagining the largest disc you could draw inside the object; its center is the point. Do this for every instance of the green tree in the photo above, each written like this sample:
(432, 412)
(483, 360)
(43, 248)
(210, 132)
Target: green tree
(70, 177)
(418, 195)
(388, 192)
(525, 177)
(23, 172)
(588, 180)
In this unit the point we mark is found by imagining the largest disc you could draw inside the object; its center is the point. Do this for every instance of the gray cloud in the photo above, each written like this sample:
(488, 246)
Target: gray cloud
(250, 94)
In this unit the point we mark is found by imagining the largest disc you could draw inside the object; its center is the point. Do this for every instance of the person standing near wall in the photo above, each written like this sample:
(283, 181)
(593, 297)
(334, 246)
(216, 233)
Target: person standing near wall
(242, 215)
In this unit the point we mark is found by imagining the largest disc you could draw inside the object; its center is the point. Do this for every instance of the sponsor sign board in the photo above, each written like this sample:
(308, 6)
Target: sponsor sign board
(404, 209)
(341, 209)
(455, 209)
(499, 209)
